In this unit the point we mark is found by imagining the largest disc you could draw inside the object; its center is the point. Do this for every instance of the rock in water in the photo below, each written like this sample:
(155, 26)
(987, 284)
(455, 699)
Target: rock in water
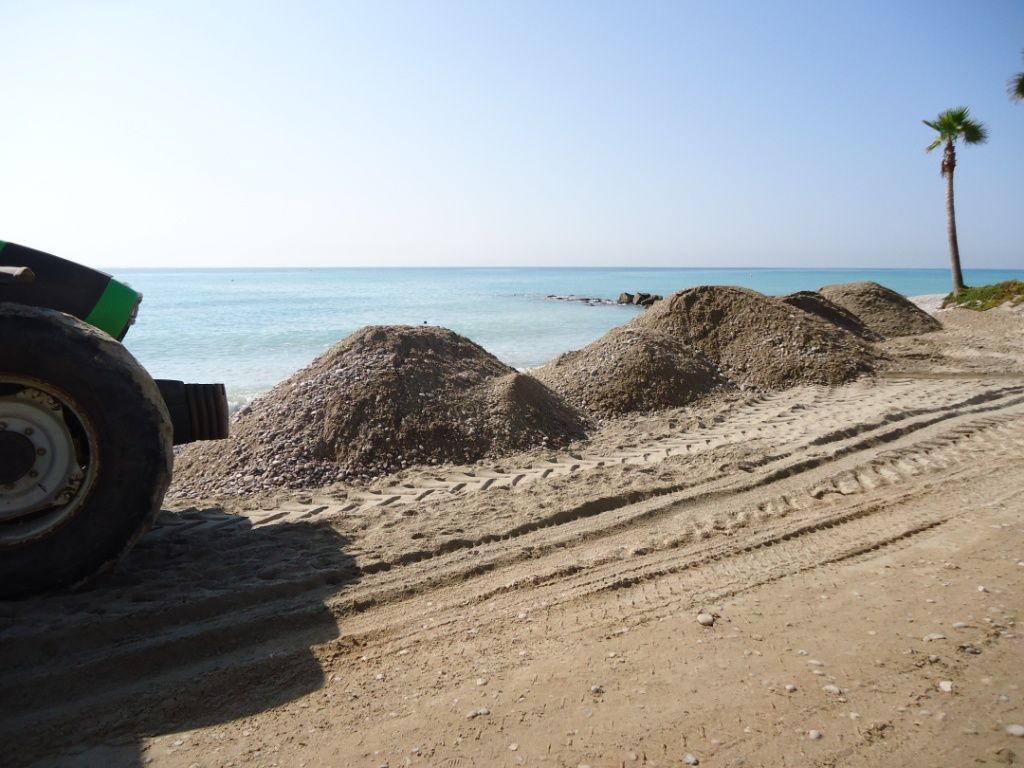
(880, 309)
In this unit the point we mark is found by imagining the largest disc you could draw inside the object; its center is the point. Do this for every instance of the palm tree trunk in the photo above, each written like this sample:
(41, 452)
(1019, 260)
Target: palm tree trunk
(948, 165)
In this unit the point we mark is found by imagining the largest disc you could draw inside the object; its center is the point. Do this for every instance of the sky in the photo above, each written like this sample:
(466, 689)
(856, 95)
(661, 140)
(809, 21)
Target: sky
(486, 133)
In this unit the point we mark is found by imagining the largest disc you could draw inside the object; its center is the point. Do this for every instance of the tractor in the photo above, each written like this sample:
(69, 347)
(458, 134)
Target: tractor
(86, 434)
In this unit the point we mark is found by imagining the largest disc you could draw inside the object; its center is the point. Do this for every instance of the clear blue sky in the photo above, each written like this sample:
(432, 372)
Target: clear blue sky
(519, 133)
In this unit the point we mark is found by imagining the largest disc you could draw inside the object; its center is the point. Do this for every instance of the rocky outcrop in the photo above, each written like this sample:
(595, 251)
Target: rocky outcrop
(638, 299)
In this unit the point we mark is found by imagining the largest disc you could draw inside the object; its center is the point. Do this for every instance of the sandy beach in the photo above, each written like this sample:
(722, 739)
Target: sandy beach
(801, 574)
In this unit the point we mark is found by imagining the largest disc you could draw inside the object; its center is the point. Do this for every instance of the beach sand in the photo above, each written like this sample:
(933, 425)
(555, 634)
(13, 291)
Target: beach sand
(856, 553)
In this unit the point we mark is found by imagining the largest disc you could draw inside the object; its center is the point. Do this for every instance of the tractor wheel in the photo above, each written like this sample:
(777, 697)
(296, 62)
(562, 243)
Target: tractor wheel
(85, 450)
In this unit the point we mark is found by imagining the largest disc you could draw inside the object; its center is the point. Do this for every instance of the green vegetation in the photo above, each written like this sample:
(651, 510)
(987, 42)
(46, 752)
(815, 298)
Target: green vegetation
(1016, 87)
(987, 296)
(954, 125)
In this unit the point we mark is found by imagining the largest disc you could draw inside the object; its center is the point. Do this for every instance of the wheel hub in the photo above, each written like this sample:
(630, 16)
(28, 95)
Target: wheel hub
(38, 466)
(17, 456)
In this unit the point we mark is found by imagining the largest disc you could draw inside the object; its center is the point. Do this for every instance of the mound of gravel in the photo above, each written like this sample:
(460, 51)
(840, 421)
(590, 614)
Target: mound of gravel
(757, 341)
(883, 311)
(816, 304)
(382, 399)
(631, 369)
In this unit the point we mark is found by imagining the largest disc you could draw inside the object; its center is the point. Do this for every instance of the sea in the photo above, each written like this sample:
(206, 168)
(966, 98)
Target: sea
(252, 328)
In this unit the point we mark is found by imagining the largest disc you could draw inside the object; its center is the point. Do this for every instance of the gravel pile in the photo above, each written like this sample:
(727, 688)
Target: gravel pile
(631, 369)
(883, 311)
(816, 304)
(382, 399)
(756, 341)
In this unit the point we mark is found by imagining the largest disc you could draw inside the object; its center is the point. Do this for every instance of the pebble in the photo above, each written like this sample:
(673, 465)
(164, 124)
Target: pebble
(513, 747)
(481, 681)
(933, 636)
(790, 688)
(814, 735)
(596, 689)
(691, 760)
(1015, 729)
(961, 625)
(946, 686)
(477, 713)
(815, 663)
(705, 619)
(835, 690)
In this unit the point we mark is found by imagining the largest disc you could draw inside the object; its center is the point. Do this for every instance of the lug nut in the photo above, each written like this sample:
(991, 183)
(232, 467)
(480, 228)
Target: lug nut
(29, 431)
(40, 451)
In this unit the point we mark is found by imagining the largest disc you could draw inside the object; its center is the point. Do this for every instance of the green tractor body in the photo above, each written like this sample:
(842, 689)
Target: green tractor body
(86, 434)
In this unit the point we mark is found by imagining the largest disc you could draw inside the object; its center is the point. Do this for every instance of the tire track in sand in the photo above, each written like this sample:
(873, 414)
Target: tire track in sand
(818, 501)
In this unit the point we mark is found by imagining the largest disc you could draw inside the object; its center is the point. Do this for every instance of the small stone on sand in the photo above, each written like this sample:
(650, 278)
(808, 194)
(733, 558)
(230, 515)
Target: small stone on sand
(705, 619)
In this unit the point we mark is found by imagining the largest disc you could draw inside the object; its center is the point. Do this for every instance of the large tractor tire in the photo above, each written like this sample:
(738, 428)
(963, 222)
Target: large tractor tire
(85, 450)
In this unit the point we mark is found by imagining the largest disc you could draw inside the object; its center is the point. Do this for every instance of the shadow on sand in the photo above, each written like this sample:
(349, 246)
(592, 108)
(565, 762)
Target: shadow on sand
(209, 619)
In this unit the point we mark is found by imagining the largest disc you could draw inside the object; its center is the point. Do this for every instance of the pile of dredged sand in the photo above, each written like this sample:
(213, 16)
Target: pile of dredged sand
(816, 304)
(700, 340)
(759, 342)
(880, 309)
(382, 399)
(631, 369)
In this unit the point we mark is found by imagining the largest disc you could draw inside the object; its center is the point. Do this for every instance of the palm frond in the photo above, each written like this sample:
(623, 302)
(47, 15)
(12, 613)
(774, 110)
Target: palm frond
(1016, 87)
(974, 132)
(934, 145)
(958, 115)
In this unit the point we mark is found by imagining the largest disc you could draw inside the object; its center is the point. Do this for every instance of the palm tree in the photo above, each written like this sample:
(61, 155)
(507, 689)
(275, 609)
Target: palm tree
(1016, 87)
(952, 126)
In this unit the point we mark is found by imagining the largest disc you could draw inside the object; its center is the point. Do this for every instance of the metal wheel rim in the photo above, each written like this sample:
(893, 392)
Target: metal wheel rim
(65, 464)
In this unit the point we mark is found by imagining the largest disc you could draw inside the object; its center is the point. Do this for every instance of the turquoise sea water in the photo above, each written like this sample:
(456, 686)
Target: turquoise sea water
(251, 328)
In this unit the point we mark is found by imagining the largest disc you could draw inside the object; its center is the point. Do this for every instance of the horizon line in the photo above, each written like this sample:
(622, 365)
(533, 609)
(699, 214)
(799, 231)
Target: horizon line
(293, 268)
